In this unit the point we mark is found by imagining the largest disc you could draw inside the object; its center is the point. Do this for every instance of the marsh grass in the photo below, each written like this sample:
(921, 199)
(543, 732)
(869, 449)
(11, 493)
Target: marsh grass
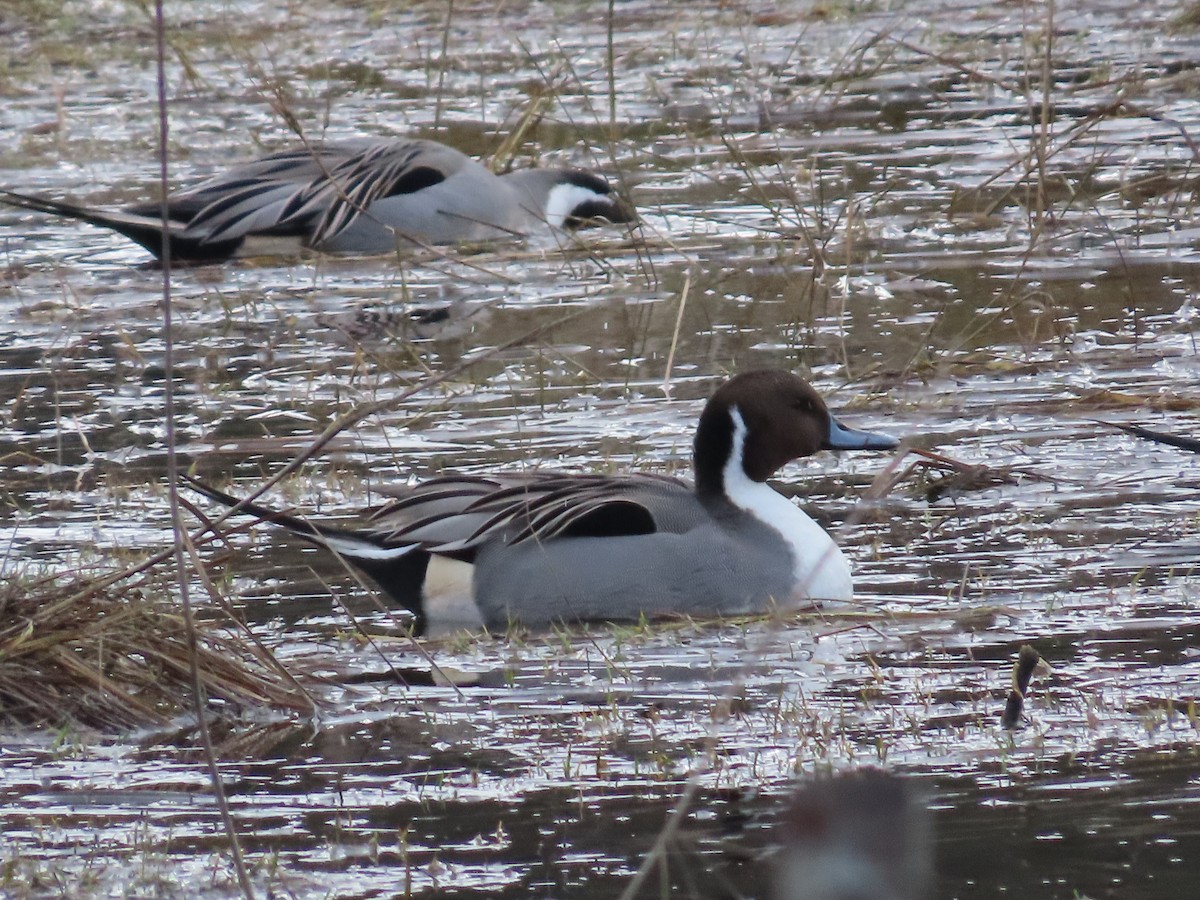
(110, 651)
(1060, 179)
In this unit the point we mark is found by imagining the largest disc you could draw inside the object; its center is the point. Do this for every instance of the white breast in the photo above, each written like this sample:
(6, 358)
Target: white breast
(822, 572)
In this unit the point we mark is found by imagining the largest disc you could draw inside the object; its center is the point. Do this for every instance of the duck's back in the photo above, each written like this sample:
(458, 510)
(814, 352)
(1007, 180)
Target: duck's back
(459, 514)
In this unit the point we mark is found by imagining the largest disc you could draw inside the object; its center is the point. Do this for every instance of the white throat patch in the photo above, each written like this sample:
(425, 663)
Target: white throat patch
(822, 572)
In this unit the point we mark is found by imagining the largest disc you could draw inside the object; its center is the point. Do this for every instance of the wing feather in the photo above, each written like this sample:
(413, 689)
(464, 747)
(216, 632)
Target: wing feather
(459, 514)
(318, 192)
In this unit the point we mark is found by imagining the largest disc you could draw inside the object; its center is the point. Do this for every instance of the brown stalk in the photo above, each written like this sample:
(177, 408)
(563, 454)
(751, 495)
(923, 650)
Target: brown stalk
(182, 542)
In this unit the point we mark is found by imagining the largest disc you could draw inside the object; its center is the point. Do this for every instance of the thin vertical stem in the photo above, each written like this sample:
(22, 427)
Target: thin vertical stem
(437, 109)
(612, 73)
(181, 534)
(683, 298)
(1044, 119)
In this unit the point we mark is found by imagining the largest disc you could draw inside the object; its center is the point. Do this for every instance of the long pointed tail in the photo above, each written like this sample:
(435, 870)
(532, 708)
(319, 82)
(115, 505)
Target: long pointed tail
(398, 570)
(316, 534)
(53, 207)
(140, 227)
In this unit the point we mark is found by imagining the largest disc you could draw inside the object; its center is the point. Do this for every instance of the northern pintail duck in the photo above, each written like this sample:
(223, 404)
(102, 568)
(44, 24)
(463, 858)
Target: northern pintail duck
(548, 547)
(355, 197)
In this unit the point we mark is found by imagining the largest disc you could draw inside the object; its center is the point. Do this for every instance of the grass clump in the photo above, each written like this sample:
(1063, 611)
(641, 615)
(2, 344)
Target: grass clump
(111, 651)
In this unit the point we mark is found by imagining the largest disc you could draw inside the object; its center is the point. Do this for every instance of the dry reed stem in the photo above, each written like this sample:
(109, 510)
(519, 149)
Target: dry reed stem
(501, 159)
(181, 544)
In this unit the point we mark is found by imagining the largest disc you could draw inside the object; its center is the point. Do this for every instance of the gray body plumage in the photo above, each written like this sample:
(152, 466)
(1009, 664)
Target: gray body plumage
(472, 205)
(355, 197)
(550, 547)
(712, 569)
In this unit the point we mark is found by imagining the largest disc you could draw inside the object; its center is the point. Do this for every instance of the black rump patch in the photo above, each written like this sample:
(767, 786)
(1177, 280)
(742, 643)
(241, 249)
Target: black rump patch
(416, 180)
(297, 228)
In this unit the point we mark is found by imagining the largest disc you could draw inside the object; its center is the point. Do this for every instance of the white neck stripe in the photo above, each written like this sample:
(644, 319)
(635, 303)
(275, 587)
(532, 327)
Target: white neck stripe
(735, 466)
(821, 570)
(564, 198)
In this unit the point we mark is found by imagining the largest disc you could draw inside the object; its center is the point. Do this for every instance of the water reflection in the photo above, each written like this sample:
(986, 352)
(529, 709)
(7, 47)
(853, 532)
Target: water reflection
(837, 198)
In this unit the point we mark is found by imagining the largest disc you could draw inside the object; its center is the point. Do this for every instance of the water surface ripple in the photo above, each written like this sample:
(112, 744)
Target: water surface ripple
(953, 238)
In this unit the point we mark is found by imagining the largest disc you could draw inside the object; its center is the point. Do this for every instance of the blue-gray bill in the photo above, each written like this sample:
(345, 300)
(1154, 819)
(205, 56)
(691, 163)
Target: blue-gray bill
(842, 438)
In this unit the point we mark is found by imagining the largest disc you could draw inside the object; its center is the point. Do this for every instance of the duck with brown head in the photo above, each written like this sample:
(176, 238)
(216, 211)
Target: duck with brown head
(548, 547)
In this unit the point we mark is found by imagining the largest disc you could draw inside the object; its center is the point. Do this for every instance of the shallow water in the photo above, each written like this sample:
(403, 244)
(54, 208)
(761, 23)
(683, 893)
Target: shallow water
(838, 189)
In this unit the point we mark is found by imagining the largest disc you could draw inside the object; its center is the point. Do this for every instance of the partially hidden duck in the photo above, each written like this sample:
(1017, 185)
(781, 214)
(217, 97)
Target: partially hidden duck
(365, 196)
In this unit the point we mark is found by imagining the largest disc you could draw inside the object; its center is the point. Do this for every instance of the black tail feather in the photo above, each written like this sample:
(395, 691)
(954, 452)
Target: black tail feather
(401, 577)
(139, 224)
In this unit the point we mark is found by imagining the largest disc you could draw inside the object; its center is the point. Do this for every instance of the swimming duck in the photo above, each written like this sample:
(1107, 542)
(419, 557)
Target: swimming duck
(354, 197)
(466, 551)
